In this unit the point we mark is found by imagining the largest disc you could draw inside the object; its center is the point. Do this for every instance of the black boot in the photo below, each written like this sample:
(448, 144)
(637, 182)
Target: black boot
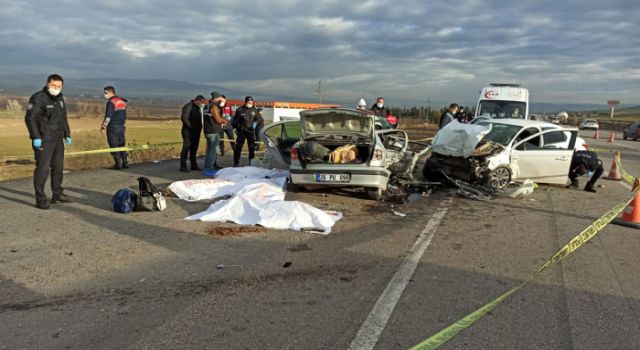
(125, 163)
(574, 183)
(116, 165)
(590, 188)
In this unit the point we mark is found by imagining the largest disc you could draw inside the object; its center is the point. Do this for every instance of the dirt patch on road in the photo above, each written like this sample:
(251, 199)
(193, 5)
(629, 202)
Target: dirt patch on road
(225, 231)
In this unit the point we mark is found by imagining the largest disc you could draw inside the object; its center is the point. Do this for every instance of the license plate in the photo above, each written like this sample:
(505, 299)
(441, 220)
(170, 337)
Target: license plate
(333, 177)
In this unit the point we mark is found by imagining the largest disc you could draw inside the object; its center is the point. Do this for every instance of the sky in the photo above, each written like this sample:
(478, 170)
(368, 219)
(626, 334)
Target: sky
(564, 51)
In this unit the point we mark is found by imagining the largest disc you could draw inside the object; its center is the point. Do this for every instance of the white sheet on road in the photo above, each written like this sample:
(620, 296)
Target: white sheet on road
(258, 199)
(458, 139)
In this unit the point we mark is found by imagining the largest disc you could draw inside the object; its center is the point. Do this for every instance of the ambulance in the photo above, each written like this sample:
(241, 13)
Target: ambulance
(503, 101)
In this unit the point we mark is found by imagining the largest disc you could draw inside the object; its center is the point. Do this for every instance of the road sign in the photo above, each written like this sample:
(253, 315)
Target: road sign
(613, 103)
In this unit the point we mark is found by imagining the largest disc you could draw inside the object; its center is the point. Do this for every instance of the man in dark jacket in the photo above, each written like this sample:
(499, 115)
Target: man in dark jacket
(381, 112)
(449, 115)
(243, 121)
(582, 163)
(46, 120)
(213, 122)
(191, 117)
(115, 117)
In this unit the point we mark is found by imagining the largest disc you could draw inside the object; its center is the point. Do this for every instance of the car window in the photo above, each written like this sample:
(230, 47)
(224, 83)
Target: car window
(554, 140)
(273, 132)
(292, 130)
(533, 143)
(500, 133)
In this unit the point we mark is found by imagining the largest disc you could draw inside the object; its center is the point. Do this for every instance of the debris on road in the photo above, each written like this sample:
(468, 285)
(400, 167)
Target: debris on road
(287, 264)
(225, 231)
(397, 213)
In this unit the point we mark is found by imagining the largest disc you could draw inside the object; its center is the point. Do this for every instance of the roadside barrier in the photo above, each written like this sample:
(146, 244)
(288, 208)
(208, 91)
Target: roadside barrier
(572, 246)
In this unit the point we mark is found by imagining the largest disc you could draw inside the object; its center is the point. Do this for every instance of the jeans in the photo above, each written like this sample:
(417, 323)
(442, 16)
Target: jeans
(213, 140)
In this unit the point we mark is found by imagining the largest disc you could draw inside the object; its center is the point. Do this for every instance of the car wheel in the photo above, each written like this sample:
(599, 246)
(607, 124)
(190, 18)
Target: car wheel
(374, 193)
(499, 178)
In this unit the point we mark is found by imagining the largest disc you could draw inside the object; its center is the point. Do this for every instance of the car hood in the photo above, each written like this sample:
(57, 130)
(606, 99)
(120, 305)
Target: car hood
(458, 139)
(329, 122)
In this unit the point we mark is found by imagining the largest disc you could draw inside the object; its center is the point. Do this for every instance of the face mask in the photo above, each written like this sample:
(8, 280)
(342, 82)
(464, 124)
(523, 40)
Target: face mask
(221, 104)
(106, 97)
(249, 105)
(54, 92)
(380, 104)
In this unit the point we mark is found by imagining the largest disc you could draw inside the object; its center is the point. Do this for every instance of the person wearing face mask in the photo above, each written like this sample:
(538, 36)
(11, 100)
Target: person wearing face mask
(381, 112)
(191, 117)
(213, 123)
(244, 122)
(46, 120)
(114, 121)
(226, 129)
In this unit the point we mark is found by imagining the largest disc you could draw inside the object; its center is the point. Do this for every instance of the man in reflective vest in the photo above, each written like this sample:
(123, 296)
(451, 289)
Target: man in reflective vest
(115, 117)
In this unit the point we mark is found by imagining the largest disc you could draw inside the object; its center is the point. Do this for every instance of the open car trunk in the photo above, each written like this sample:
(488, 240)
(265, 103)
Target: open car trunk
(334, 152)
(336, 136)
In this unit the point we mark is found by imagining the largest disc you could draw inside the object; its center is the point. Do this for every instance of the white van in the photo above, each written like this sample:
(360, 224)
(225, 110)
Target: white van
(503, 101)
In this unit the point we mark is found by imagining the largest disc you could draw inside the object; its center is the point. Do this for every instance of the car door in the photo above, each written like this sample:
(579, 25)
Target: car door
(547, 164)
(279, 138)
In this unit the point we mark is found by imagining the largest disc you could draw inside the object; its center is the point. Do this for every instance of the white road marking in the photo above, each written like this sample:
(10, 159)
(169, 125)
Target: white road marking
(625, 185)
(375, 323)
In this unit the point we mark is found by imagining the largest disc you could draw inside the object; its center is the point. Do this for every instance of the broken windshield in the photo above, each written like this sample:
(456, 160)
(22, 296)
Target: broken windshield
(500, 133)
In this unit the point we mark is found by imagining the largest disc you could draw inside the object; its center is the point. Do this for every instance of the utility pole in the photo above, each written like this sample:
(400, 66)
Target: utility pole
(319, 92)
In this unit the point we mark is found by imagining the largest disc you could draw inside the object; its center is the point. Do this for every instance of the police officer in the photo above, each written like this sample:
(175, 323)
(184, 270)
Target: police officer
(46, 120)
(257, 126)
(191, 117)
(243, 122)
(582, 163)
(115, 118)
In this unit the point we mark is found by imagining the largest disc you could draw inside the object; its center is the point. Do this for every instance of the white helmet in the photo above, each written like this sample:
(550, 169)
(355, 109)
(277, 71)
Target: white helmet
(362, 103)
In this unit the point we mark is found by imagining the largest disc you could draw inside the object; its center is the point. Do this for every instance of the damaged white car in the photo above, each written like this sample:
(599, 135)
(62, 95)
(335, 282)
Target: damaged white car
(339, 147)
(495, 152)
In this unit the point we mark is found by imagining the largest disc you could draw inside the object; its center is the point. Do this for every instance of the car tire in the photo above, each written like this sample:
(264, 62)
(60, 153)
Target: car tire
(499, 178)
(374, 193)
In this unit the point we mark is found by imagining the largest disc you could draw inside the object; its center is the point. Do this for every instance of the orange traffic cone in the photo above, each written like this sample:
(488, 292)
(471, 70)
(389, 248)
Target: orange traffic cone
(611, 138)
(597, 135)
(631, 215)
(614, 174)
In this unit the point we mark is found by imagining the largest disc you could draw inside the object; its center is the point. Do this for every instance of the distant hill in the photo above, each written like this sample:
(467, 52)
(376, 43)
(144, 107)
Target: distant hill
(170, 90)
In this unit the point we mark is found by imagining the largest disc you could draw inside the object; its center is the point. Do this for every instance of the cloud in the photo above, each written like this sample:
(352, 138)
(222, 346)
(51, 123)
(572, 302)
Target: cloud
(564, 51)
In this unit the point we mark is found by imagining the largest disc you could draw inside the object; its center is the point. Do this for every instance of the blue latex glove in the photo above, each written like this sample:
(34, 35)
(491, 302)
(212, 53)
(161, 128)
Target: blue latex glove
(37, 143)
(67, 140)
(589, 174)
(253, 126)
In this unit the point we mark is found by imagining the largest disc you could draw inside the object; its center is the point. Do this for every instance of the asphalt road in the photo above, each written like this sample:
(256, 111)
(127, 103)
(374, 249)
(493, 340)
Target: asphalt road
(82, 277)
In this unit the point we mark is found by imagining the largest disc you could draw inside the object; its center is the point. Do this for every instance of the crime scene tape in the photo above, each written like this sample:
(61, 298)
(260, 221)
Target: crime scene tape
(625, 175)
(602, 150)
(574, 244)
(103, 150)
